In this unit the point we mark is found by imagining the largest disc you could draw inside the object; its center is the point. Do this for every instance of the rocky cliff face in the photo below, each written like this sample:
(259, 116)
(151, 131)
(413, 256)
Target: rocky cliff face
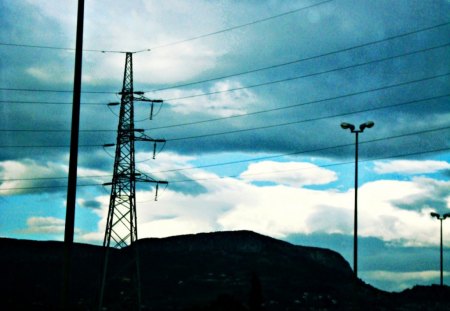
(224, 263)
(245, 242)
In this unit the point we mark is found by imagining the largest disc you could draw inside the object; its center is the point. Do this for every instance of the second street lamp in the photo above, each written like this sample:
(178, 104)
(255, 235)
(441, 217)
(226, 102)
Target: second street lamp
(441, 218)
(352, 129)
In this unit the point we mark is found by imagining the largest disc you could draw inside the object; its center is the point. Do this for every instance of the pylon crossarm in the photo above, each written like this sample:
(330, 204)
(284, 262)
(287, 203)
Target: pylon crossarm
(152, 101)
(145, 178)
(142, 98)
(144, 137)
(148, 179)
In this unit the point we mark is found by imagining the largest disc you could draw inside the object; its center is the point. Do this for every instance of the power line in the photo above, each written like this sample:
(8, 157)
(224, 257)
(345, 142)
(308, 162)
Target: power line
(415, 101)
(172, 43)
(51, 178)
(46, 187)
(302, 59)
(324, 165)
(48, 146)
(239, 26)
(46, 102)
(49, 47)
(268, 126)
(309, 103)
(242, 73)
(255, 112)
(306, 75)
(306, 151)
(232, 176)
(259, 158)
(295, 105)
(52, 91)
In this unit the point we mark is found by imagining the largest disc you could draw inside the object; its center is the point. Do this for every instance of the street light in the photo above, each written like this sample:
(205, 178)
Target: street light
(352, 129)
(441, 218)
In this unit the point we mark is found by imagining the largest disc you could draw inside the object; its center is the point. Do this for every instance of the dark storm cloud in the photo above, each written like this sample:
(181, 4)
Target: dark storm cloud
(92, 204)
(314, 123)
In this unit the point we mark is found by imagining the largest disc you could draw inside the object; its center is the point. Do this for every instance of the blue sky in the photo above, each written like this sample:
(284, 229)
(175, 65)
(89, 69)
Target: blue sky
(251, 116)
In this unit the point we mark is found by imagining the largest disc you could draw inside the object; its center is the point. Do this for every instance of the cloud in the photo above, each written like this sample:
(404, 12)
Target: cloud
(197, 200)
(53, 73)
(397, 281)
(44, 225)
(34, 176)
(223, 104)
(170, 166)
(429, 194)
(410, 167)
(94, 204)
(386, 265)
(20, 175)
(281, 210)
(178, 64)
(296, 174)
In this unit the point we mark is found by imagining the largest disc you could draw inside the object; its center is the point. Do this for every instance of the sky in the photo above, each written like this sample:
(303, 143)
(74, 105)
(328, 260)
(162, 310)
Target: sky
(254, 94)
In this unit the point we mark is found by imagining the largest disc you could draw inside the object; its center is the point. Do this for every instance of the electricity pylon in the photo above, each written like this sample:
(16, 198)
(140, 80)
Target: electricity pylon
(121, 226)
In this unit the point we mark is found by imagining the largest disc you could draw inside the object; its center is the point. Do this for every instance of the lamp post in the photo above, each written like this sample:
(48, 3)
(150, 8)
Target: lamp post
(352, 129)
(441, 218)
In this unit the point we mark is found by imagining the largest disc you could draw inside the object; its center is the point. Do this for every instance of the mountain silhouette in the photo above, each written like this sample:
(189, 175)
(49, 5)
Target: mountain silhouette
(237, 270)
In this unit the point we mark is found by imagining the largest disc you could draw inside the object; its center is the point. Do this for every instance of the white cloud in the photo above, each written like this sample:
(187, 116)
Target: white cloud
(404, 276)
(21, 174)
(410, 166)
(294, 174)
(388, 210)
(91, 237)
(149, 23)
(280, 210)
(177, 64)
(221, 104)
(63, 12)
(397, 281)
(44, 225)
(47, 176)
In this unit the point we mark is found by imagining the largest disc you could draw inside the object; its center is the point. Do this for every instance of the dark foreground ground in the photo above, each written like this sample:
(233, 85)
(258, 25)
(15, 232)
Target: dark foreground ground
(238, 270)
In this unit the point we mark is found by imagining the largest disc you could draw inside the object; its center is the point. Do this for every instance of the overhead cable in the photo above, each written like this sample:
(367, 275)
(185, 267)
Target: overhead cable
(306, 75)
(234, 176)
(171, 43)
(301, 59)
(256, 159)
(241, 73)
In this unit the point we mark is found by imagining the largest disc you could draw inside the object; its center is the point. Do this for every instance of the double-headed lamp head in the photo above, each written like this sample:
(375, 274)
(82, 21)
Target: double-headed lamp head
(435, 215)
(363, 126)
(438, 216)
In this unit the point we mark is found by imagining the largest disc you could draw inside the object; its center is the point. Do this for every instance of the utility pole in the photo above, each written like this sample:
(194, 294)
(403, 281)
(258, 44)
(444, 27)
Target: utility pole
(73, 161)
(121, 226)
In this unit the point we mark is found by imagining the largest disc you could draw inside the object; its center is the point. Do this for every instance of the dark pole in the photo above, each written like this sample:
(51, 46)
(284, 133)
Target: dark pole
(73, 161)
(355, 230)
(442, 257)
(352, 128)
(441, 218)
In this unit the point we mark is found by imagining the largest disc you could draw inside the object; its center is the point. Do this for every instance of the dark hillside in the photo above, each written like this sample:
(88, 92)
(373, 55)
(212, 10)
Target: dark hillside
(238, 270)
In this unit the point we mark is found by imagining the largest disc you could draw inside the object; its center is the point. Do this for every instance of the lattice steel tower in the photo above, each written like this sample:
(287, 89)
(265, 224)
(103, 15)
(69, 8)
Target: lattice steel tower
(121, 226)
